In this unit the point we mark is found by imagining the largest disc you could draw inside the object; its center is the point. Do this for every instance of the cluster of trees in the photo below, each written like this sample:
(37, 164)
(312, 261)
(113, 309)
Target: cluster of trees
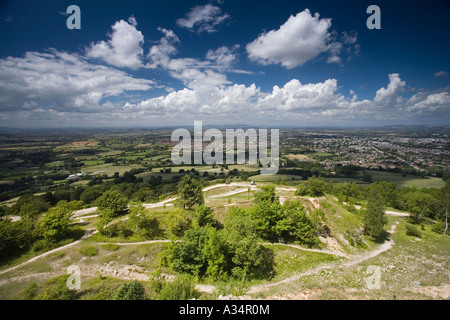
(39, 227)
(140, 222)
(209, 248)
(211, 251)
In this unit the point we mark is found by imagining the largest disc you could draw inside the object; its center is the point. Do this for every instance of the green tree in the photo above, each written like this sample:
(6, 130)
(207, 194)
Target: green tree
(346, 191)
(216, 251)
(54, 225)
(248, 259)
(188, 256)
(388, 190)
(16, 236)
(133, 290)
(444, 198)
(265, 194)
(314, 187)
(297, 226)
(202, 216)
(267, 217)
(112, 200)
(375, 217)
(190, 192)
(140, 221)
(420, 205)
(177, 222)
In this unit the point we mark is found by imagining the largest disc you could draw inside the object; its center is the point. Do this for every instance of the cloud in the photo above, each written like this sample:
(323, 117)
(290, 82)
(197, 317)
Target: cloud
(390, 96)
(62, 82)
(192, 72)
(203, 19)
(294, 102)
(301, 38)
(160, 53)
(426, 102)
(441, 74)
(124, 49)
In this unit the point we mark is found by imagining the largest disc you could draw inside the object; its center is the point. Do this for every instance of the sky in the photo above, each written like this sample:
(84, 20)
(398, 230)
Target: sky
(224, 62)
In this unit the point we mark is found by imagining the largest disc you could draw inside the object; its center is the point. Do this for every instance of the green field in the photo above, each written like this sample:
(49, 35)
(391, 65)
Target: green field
(407, 181)
(109, 169)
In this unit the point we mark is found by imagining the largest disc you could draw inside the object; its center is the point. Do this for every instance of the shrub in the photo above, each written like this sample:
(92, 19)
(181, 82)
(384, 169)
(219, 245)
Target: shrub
(56, 289)
(133, 290)
(182, 288)
(439, 227)
(412, 230)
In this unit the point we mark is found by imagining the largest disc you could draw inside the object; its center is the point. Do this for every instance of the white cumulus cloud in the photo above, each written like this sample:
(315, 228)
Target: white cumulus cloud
(301, 38)
(123, 49)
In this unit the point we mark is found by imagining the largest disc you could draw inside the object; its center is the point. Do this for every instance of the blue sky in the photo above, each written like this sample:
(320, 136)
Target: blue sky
(278, 63)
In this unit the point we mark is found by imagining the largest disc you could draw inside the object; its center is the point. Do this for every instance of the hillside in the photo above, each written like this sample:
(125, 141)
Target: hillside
(411, 268)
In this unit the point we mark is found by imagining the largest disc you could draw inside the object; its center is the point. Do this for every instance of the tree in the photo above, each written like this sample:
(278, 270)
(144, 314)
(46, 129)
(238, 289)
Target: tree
(420, 205)
(297, 226)
(248, 257)
(375, 217)
(314, 187)
(388, 190)
(265, 194)
(346, 191)
(216, 251)
(177, 223)
(190, 192)
(203, 216)
(141, 222)
(112, 200)
(267, 216)
(55, 223)
(133, 290)
(187, 256)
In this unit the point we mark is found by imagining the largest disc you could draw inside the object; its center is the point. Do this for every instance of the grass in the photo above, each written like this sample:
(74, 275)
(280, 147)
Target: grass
(289, 260)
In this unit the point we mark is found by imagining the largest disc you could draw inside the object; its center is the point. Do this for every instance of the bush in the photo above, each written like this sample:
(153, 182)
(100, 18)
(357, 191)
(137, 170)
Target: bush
(56, 289)
(412, 230)
(439, 227)
(133, 290)
(88, 251)
(182, 288)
